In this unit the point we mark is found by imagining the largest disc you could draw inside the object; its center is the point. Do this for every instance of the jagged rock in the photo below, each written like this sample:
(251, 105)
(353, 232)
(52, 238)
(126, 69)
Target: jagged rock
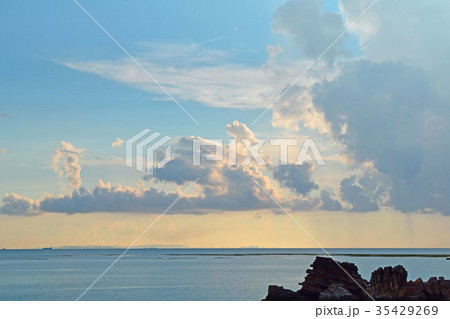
(330, 280)
(385, 282)
(391, 284)
(324, 273)
(277, 293)
(335, 292)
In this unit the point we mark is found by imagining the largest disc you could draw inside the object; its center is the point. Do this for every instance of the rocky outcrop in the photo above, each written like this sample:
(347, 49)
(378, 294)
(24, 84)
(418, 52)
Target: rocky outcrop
(331, 280)
(277, 293)
(391, 284)
(325, 271)
(335, 292)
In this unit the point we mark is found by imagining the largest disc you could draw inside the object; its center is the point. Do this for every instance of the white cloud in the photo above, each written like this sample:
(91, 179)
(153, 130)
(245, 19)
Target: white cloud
(66, 164)
(193, 72)
(240, 131)
(220, 187)
(312, 27)
(17, 205)
(296, 107)
(117, 142)
(414, 33)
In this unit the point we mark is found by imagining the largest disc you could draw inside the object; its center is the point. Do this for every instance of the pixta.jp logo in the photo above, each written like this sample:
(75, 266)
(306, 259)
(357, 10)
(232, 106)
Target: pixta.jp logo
(142, 141)
(146, 145)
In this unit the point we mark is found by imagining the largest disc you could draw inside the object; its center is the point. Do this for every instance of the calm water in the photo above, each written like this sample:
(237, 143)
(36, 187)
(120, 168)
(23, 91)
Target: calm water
(183, 274)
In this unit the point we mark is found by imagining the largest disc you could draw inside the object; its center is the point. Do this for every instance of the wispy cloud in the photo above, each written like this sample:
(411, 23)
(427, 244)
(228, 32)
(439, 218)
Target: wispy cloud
(196, 73)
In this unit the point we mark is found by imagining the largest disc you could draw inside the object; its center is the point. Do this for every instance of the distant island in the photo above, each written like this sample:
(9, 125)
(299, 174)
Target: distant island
(329, 280)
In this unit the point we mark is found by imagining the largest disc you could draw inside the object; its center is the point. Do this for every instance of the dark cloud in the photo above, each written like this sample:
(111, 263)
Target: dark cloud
(388, 114)
(359, 193)
(295, 177)
(329, 203)
(237, 192)
(16, 205)
(180, 171)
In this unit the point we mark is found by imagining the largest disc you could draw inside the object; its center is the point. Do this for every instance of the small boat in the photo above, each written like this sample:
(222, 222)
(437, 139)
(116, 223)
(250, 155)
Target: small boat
(47, 248)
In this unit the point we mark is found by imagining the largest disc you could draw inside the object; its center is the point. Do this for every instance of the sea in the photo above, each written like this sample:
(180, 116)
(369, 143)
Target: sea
(187, 274)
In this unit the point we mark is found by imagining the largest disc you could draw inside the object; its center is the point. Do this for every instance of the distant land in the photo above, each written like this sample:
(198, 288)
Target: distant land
(122, 247)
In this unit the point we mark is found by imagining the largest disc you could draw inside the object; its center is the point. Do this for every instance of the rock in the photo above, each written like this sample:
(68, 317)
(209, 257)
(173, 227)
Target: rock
(324, 274)
(385, 282)
(278, 293)
(335, 292)
(330, 280)
(391, 284)
(326, 271)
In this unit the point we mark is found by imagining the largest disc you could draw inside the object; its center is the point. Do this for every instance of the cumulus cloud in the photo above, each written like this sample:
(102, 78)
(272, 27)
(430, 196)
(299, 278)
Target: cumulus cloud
(328, 203)
(220, 187)
(412, 33)
(240, 131)
(66, 164)
(117, 142)
(241, 194)
(312, 28)
(218, 179)
(393, 119)
(360, 193)
(296, 106)
(17, 205)
(296, 177)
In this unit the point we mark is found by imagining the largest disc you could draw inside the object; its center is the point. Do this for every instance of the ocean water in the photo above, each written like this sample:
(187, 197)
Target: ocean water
(186, 274)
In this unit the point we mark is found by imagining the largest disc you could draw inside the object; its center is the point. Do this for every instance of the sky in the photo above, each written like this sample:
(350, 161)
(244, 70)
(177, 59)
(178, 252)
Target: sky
(367, 82)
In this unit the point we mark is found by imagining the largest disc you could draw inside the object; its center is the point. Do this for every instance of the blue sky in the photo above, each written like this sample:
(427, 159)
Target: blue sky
(375, 104)
(48, 102)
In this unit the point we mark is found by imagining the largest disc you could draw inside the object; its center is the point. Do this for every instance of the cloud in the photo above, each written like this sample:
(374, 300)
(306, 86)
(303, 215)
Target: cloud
(194, 72)
(3, 115)
(393, 119)
(241, 194)
(295, 177)
(66, 164)
(213, 85)
(361, 193)
(3, 150)
(296, 106)
(240, 131)
(117, 142)
(220, 187)
(14, 204)
(312, 27)
(329, 203)
(412, 34)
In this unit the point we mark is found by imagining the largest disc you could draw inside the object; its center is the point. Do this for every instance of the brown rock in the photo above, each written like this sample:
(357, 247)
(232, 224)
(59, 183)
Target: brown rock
(330, 280)
(391, 284)
(326, 277)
